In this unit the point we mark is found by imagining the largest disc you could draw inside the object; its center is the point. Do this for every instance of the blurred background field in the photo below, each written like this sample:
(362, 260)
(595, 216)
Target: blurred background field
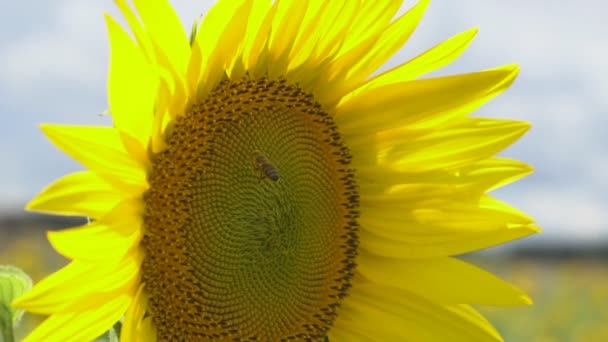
(569, 285)
(570, 297)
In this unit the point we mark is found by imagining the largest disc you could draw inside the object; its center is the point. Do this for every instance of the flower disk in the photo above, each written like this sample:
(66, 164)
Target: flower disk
(264, 259)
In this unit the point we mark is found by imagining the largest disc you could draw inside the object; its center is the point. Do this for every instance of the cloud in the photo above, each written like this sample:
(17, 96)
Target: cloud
(53, 69)
(61, 53)
(566, 214)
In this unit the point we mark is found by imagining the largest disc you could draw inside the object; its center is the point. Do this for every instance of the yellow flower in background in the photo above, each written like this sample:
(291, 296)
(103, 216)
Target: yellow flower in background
(260, 184)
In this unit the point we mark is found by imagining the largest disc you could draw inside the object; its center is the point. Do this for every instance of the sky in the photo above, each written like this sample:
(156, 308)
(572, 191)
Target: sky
(53, 64)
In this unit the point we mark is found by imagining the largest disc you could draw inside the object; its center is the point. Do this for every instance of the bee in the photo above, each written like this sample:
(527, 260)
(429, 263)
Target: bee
(265, 167)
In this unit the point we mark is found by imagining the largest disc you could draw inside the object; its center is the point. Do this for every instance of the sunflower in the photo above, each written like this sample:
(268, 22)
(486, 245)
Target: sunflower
(260, 183)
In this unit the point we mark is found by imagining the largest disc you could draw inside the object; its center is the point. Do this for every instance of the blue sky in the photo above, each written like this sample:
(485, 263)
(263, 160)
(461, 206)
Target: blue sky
(53, 60)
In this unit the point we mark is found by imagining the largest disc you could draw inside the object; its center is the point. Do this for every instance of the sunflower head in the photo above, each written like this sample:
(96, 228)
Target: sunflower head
(269, 232)
(261, 184)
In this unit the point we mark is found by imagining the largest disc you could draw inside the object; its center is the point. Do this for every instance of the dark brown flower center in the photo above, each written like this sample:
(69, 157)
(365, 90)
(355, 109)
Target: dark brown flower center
(250, 224)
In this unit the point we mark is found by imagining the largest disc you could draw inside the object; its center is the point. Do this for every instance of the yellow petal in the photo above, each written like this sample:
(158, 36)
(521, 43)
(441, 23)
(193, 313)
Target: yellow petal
(256, 21)
(321, 42)
(132, 85)
(370, 20)
(285, 27)
(230, 54)
(101, 150)
(313, 26)
(348, 73)
(70, 273)
(195, 64)
(340, 334)
(392, 38)
(166, 31)
(397, 315)
(258, 52)
(82, 326)
(142, 37)
(437, 208)
(179, 96)
(441, 280)
(327, 81)
(430, 60)
(409, 225)
(79, 194)
(219, 38)
(163, 112)
(137, 150)
(430, 101)
(496, 172)
(103, 240)
(455, 146)
(338, 22)
(147, 331)
(355, 319)
(484, 175)
(439, 244)
(64, 289)
(133, 317)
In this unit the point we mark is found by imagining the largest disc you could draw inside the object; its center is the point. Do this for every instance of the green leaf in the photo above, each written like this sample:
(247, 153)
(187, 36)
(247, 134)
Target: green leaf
(13, 283)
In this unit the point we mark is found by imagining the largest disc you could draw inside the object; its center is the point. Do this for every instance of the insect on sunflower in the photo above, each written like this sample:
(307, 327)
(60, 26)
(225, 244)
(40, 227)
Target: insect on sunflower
(260, 184)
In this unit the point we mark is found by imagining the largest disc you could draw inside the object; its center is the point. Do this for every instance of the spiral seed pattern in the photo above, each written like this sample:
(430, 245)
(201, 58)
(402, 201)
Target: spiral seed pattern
(232, 256)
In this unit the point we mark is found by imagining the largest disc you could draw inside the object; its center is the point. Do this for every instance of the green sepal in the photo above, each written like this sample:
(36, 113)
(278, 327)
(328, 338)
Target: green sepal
(193, 32)
(6, 324)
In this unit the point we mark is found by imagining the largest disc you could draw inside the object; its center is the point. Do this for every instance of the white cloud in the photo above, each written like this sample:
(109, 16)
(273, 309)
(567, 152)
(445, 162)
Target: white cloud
(67, 51)
(571, 214)
(42, 60)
